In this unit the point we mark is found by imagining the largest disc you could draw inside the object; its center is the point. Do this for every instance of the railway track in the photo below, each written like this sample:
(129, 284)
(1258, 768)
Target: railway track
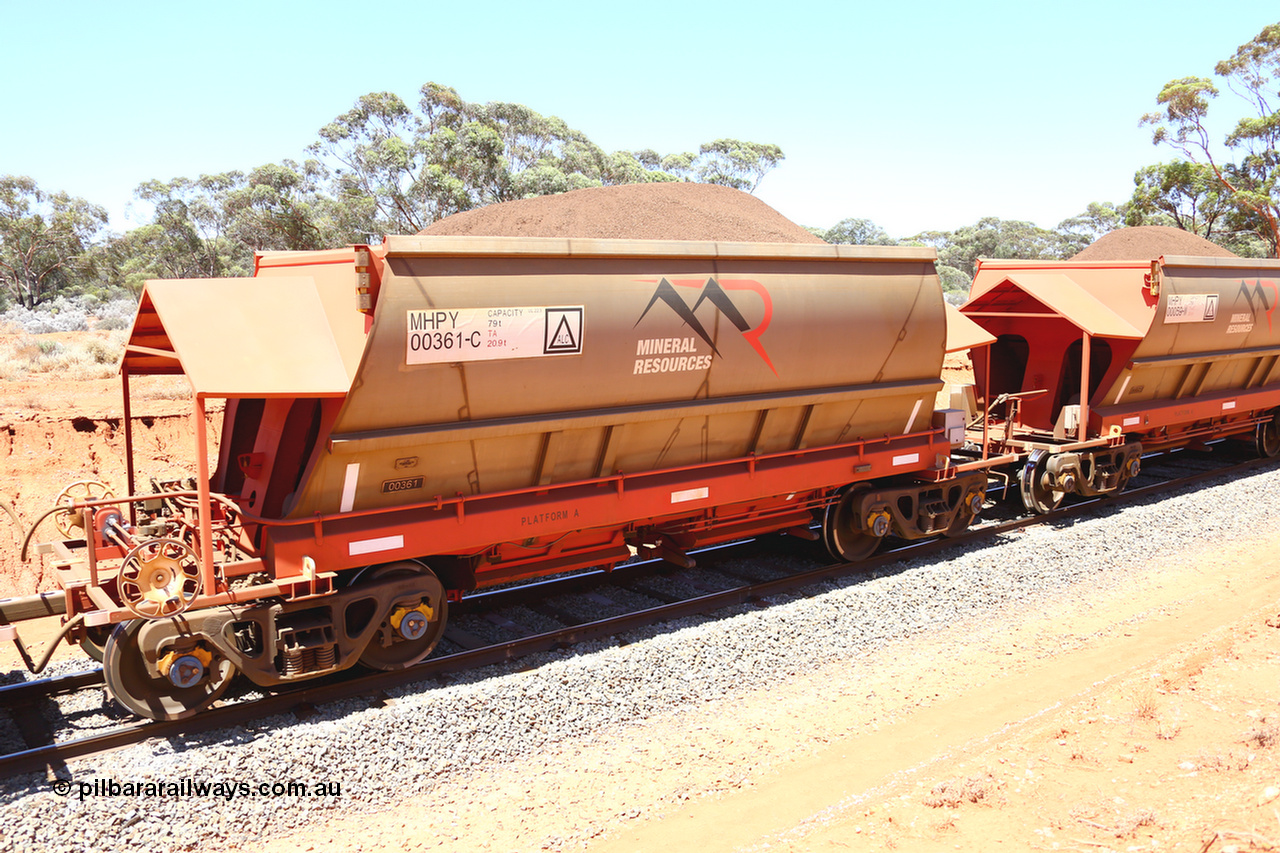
(484, 633)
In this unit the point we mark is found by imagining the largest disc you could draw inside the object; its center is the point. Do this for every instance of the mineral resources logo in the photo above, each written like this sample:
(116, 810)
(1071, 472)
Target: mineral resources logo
(1255, 297)
(680, 354)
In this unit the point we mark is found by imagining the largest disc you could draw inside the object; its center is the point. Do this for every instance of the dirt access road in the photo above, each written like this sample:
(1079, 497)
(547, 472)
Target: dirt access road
(1147, 719)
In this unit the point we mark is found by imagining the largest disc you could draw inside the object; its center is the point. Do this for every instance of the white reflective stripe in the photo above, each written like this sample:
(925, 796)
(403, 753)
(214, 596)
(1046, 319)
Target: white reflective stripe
(690, 495)
(97, 617)
(372, 546)
(912, 419)
(1123, 386)
(349, 487)
(906, 459)
(8, 632)
(1137, 419)
(1231, 404)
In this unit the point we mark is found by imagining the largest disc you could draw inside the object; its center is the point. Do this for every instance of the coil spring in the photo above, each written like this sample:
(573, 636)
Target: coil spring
(299, 661)
(294, 661)
(326, 657)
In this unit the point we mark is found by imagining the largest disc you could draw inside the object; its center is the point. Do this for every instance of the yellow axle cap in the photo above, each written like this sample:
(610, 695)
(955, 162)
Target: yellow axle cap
(879, 523)
(397, 615)
(199, 653)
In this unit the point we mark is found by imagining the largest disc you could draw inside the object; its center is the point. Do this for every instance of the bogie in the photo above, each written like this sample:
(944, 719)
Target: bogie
(859, 516)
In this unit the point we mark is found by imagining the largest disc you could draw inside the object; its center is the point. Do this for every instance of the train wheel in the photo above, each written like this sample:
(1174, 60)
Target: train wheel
(1038, 495)
(195, 677)
(1266, 437)
(412, 628)
(94, 642)
(1132, 468)
(967, 515)
(842, 530)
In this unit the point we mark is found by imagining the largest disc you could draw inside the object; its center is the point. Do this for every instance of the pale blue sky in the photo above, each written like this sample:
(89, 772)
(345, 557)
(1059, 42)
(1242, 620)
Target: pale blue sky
(921, 115)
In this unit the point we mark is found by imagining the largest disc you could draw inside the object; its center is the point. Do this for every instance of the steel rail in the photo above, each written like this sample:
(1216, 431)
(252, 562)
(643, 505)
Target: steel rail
(27, 693)
(351, 683)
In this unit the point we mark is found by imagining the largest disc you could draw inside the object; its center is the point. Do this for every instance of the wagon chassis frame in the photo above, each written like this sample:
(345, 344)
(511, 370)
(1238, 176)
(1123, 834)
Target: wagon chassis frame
(462, 525)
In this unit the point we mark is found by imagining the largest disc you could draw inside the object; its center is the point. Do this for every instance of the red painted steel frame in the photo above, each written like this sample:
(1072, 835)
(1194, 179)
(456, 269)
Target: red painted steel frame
(470, 525)
(608, 506)
(1213, 415)
(784, 484)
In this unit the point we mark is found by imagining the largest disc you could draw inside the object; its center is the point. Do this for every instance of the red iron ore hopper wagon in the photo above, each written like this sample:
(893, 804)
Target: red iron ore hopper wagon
(407, 422)
(1096, 362)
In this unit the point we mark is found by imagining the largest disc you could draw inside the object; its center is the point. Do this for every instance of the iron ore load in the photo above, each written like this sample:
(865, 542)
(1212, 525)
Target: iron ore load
(407, 422)
(1095, 362)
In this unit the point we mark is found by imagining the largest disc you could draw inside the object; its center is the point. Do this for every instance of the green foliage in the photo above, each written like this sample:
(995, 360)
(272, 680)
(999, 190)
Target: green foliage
(212, 225)
(188, 235)
(1079, 231)
(627, 167)
(277, 207)
(380, 168)
(857, 232)
(396, 170)
(737, 164)
(991, 237)
(1181, 194)
(46, 240)
(681, 166)
(1247, 167)
(955, 284)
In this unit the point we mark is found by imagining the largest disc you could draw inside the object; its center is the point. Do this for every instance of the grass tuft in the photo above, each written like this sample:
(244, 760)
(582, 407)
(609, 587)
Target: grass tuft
(953, 792)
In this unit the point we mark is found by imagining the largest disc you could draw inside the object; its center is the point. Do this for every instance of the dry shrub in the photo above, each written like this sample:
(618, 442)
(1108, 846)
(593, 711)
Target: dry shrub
(17, 355)
(160, 388)
(83, 357)
(1168, 731)
(1145, 706)
(1132, 823)
(1264, 736)
(102, 352)
(88, 356)
(1219, 762)
(945, 825)
(1092, 815)
(953, 792)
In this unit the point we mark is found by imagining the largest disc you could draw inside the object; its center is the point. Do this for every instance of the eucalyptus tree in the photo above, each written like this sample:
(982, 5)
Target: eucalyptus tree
(992, 237)
(736, 163)
(1245, 163)
(1077, 232)
(46, 240)
(1182, 194)
(397, 169)
(189, 232)
(858, 232)
(279, 206)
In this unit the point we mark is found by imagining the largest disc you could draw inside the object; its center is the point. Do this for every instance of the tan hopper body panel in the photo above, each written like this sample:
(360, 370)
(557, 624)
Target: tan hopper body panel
(830, 344)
